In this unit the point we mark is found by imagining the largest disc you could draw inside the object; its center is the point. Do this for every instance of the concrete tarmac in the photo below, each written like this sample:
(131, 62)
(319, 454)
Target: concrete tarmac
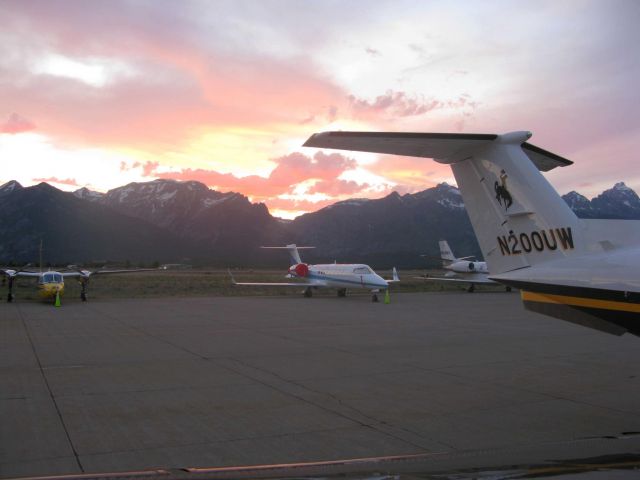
(120, 385)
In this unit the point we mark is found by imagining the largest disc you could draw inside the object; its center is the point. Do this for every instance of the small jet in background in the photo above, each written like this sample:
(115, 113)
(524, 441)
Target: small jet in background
(333, 275)
(462, 270)
(51, 283)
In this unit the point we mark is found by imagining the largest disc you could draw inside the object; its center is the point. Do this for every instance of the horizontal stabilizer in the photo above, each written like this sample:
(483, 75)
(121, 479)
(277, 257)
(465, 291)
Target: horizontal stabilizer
(446, 147)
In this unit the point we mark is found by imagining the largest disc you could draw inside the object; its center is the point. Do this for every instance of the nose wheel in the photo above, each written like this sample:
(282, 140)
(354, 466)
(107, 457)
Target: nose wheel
(374, 298)
(308, 293)
(10, 293)
(83, 290)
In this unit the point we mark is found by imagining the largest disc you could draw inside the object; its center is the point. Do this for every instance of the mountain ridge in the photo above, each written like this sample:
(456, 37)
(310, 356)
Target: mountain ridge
(187, 221)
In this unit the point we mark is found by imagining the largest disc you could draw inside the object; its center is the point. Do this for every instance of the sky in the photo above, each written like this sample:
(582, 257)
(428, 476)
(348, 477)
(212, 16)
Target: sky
(98, 93)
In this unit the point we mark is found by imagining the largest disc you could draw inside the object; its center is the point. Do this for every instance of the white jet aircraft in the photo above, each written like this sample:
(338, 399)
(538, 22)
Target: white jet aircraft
(583, 271)
(462, 269)
(331, 275)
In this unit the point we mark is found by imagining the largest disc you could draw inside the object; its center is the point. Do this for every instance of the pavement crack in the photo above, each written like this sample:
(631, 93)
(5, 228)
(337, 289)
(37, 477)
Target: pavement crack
(53, 398)
(371, 423)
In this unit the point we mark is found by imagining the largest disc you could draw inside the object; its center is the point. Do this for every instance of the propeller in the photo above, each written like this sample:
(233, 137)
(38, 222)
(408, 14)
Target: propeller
(11, 275)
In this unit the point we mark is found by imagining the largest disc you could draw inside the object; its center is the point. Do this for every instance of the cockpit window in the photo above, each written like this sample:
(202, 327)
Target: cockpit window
(51, 277)
(362, 270)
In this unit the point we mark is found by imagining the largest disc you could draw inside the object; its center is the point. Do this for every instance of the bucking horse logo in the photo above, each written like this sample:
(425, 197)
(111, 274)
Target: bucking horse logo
(502, 194)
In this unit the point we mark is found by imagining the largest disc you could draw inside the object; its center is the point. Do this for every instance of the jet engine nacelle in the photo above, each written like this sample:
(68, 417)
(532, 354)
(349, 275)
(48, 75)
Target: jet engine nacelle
(299, 270)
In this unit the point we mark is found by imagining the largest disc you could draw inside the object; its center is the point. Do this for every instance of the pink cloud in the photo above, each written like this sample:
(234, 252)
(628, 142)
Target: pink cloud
(338, 187)
(290, 171)
(16, 124)
(393, 103)
(177, 83)
(62, 181)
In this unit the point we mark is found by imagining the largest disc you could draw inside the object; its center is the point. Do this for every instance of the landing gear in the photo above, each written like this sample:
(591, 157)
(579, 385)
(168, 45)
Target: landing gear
(472, 288)
(308, 293)
(374, 298)
(10, 294)
(342, 292)
(83, 290)
(507, 289)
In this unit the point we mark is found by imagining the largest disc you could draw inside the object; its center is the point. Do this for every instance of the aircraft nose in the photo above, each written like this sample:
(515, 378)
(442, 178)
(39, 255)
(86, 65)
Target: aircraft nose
(382, 283)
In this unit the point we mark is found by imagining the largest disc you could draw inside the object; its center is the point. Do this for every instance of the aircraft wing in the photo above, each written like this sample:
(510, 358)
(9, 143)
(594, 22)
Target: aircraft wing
(445, 147)
(13, 273)
(476, 281)
(105, 272)
(277, 284)
(81, 273)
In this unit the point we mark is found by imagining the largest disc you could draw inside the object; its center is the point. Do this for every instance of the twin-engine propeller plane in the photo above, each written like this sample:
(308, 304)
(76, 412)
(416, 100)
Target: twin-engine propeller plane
(462, 269)
(333, 275)
(583, 271)
(51, 283)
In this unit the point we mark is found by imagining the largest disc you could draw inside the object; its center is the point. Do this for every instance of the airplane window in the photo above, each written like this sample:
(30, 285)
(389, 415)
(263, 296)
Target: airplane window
(57, 278)
(48, 277)
(362, 270)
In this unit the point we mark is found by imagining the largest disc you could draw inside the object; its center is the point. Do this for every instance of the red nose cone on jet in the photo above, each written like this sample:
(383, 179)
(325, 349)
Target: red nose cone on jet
(301, 269)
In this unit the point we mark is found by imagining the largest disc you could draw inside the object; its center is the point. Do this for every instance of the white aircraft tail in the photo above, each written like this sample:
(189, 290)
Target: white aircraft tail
(293, 250)
(518, 217)
(394, 276)
(446, 255)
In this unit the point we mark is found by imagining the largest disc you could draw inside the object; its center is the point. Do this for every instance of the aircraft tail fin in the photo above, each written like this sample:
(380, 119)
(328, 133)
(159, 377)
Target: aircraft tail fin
(446, 255)
(293, 250)
(518, 217)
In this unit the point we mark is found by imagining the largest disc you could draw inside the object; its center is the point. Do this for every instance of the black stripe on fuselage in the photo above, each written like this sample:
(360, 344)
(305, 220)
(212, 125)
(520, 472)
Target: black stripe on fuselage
(610, 321)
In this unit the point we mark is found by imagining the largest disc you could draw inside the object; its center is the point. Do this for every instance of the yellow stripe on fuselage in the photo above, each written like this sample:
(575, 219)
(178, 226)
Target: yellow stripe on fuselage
(48, 290)
(580, 302)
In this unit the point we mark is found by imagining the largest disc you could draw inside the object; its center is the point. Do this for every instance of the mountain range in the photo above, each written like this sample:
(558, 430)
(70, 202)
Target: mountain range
(169, 221)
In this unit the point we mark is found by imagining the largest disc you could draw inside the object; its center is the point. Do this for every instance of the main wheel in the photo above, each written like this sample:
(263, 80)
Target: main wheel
(374, 298)
(472, 288)
(342, 292)
(9, 298)
(508, 289)
(308, 293)
(83, 296)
